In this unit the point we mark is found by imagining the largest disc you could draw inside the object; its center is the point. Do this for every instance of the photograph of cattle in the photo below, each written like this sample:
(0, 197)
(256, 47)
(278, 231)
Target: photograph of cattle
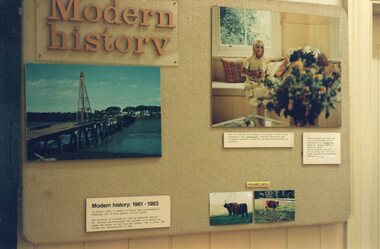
(230, 208)
(274, 206)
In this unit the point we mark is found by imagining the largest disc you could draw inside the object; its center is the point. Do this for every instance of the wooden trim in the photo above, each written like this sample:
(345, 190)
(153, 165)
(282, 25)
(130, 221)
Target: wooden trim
(363, 121)
(375, 219)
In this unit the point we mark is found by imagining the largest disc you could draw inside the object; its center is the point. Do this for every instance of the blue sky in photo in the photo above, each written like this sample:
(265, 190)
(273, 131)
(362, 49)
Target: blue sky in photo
(55, 87)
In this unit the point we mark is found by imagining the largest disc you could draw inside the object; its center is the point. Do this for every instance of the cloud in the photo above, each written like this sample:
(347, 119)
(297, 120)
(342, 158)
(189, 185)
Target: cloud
(153, 101)
(52, 94)
(124, 78)
(52, 84)
(152, 89)
(100, 83)
(37, 83)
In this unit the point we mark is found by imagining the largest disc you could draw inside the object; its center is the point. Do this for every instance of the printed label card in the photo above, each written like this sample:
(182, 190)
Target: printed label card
(321, 148)
(124, 213)
(258, 139)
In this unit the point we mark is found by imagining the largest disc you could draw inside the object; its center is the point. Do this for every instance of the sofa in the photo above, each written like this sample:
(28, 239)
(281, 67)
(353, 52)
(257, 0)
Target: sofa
(228, 96)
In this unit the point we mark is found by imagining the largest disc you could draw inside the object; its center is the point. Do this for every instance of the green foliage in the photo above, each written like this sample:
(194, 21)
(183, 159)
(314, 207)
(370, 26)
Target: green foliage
(308, 56)
(230, 220)
(97, 114)
(232, 26)
(283, 213)
(142, 108)
(274, 194)
(270, 216)
(113, 110)
(239, 26)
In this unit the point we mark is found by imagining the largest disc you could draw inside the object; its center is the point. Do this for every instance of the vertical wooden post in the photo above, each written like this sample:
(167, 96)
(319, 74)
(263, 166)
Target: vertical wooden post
(85, 130)
(59, 145)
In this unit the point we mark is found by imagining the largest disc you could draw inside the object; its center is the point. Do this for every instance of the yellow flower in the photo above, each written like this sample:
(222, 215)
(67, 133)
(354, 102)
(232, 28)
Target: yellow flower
(322, 90)
(318, 76)
(298, 64)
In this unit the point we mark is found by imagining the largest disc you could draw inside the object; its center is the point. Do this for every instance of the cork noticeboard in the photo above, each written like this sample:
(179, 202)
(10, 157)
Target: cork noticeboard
(194, 162)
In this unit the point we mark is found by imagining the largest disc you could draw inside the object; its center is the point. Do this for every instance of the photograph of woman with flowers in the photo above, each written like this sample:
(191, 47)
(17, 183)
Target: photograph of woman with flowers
(299, 83)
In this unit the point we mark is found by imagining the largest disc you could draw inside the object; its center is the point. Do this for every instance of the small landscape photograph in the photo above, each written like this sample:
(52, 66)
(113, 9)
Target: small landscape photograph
(230, 208)
(92, 112)
(274, 206)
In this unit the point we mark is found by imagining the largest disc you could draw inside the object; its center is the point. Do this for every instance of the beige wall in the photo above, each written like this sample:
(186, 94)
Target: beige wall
(316, 32)
(323, 236)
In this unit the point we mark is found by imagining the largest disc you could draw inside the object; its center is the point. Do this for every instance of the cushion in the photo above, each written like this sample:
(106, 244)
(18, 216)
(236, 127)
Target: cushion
(217, 70)
(277, 68)
(281, 69)
(232, 69)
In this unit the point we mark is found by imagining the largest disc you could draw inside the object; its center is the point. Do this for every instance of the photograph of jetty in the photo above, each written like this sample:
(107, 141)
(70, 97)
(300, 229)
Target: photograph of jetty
(92, 112)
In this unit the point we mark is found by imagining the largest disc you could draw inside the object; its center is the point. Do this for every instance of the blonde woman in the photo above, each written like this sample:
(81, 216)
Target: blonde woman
(255, 68)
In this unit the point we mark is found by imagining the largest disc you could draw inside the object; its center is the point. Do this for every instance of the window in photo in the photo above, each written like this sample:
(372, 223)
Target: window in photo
(236, 29)
(239, 27)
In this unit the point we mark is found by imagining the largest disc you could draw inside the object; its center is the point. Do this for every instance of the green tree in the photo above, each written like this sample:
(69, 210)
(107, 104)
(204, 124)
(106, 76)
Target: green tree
(113, 110)
(242, 26)
(238, 26)
(232, 26)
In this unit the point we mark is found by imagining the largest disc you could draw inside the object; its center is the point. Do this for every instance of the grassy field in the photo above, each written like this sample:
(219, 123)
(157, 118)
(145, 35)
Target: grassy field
(283, 213)
(230, 220)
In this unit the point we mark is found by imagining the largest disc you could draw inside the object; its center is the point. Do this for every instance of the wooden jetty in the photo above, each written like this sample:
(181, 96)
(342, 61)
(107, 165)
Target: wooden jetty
(81, 134)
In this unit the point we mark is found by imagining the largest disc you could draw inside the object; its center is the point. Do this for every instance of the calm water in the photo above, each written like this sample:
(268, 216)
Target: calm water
(141, 139)
(39, 124)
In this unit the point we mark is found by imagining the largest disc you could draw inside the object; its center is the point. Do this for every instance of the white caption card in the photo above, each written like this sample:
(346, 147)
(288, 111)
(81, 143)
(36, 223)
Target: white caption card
(124, 213)
(258, 139)
(321, 148)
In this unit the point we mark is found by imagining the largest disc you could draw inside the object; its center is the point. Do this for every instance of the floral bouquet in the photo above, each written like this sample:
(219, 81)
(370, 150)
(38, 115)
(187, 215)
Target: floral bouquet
(310, 85)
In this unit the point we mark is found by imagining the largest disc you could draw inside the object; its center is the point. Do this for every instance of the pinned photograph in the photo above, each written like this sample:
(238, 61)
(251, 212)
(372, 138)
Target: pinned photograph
(230, 208)
(274, 206)
(275, 69)
(92, 112)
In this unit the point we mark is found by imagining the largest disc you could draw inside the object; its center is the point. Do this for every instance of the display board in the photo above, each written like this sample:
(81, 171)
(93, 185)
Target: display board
(204, 167)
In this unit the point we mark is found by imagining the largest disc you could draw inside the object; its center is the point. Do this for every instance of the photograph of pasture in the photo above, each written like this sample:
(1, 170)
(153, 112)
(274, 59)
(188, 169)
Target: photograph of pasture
(92, 112)
(230, 208)
(274, 206)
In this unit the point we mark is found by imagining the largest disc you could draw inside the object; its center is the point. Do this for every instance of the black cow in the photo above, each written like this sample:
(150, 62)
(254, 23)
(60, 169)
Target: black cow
(229, 207)
(237, 209)
(271, 204)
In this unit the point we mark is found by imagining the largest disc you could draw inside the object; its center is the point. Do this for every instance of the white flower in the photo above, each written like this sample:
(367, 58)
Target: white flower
(290, 51)
(316, 53)
(308, 49)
